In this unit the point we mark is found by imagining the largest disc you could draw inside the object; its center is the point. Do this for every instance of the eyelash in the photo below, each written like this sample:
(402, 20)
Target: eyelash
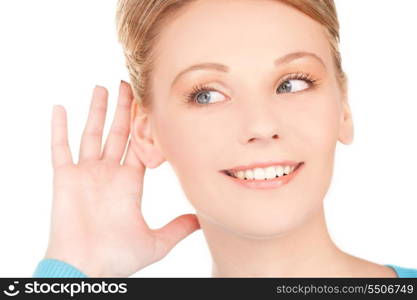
(197, 89)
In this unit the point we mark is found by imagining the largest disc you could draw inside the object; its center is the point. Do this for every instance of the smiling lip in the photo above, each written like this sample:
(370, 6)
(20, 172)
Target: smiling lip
(267, 183)
(263, 165)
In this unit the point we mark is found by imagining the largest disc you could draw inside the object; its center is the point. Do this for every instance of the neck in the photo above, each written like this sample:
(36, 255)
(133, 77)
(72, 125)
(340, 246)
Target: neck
(306, 251)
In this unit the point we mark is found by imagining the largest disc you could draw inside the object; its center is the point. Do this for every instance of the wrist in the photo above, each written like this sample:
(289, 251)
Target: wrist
(85, 266)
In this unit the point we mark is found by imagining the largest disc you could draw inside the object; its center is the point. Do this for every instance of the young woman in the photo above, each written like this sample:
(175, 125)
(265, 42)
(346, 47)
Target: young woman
(247, 101)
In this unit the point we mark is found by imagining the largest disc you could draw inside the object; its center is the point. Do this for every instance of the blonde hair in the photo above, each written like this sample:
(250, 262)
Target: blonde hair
(139, 23)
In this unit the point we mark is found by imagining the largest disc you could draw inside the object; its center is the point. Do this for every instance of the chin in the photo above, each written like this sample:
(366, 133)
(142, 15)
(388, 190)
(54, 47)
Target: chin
(266, 226)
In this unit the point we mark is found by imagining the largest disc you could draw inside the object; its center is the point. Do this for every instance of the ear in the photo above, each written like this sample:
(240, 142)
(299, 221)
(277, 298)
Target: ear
(142, 140)
(346, 124)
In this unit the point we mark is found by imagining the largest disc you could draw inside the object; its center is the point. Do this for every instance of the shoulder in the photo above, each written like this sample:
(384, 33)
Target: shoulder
(403, 272)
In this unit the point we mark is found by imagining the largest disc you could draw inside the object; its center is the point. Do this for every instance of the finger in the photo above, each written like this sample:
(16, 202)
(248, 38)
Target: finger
(173, 232)
(131, 159)
(120, 128)
(90, 147)
(61, 153)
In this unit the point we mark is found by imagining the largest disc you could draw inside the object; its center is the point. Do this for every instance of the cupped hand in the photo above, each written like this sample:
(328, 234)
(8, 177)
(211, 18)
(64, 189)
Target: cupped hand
(96, 223)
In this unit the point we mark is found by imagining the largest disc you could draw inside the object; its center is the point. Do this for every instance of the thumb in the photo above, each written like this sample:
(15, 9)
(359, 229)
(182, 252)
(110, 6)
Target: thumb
(168, 236)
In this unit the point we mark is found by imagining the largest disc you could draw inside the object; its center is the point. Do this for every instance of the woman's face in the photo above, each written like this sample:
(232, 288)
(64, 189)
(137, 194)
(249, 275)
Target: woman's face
(249, 114)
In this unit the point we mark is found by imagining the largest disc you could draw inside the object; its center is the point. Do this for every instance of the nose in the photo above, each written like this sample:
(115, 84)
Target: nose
(253, 139)
(260, 125)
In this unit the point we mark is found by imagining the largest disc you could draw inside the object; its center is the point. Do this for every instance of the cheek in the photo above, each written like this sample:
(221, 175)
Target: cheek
(322, 120)
(193, 147)
(319, 137)
(188, 143)
(319, 124)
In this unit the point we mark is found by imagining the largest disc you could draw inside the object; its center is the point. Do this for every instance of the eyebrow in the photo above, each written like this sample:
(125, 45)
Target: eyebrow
(223, 68)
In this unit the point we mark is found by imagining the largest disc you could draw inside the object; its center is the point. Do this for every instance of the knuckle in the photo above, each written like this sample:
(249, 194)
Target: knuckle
(94, 131)
(125, 105)
(99, 108)
(119, 130)
(59, 144)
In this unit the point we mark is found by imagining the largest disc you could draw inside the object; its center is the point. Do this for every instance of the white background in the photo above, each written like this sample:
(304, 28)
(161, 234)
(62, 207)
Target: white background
(54, 52)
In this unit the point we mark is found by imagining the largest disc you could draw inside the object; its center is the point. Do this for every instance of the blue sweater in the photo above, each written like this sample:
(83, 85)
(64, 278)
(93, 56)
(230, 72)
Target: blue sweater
(52, 268)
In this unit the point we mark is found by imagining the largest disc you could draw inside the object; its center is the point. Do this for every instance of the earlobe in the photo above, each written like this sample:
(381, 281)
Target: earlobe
(346, 131)
(142, 141)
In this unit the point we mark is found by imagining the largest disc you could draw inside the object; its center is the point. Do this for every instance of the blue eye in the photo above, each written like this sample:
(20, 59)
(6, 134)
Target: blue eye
(202, 95)
(298, 82)
(288, 87)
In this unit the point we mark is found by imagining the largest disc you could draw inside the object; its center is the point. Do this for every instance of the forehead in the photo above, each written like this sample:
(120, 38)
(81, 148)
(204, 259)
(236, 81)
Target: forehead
(238, 33)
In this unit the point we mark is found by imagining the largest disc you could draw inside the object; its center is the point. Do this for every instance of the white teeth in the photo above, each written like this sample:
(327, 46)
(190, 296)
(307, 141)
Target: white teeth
(264, 173)
(279, 170)
(259, 173)
(249, 174)
(240, 174)
(287, 169)
(270, 173)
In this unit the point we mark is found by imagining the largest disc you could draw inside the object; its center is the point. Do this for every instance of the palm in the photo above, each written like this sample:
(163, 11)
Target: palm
(104, 199)
(97, 202)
